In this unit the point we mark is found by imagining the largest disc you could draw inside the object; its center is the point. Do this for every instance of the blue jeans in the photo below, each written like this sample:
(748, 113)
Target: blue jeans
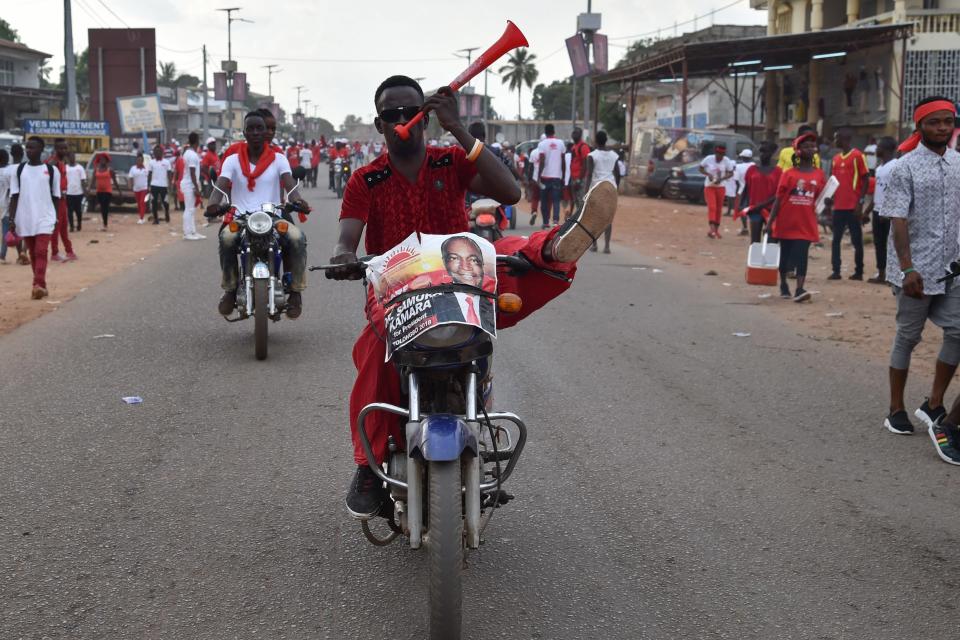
(550, 194)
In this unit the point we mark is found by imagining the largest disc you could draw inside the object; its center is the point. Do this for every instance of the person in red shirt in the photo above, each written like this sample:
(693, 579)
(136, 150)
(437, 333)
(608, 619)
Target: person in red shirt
(177, 177)
(314, 163)
(293, 155)
(209, 167)
(793, 220)
(578, 162)
(59, 159)
(760, 190)
(420, 188)
(849, 167)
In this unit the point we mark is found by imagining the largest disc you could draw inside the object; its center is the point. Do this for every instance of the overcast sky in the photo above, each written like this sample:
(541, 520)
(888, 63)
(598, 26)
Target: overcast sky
(341, 50)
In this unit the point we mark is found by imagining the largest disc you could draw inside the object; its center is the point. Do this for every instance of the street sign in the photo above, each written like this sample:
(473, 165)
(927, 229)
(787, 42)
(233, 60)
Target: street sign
(219, 86)
(239, 86)
(577, 49)
(140, 114)
(66, 127)
(600, 53)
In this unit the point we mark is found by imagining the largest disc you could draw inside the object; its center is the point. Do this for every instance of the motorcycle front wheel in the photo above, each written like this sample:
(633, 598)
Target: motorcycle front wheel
(445, 535)
(260, 311)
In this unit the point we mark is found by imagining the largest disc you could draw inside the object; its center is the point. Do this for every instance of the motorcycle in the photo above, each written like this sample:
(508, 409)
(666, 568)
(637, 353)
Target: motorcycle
(263, 284)
(487, 219)
(341, 174)
(446, 473)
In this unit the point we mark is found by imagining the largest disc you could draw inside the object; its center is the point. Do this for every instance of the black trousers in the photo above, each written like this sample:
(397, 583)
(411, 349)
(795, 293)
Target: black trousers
(158, 196)
(104, 198)
(843, 220)
(881, 234)
(75, 211)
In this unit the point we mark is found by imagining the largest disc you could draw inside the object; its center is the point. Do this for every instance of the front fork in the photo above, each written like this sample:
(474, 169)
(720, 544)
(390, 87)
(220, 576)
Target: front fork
(254, 268)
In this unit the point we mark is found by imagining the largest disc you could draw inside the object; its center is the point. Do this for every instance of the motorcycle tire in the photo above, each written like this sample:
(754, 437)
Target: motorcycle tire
(445, 535)
(260, 314)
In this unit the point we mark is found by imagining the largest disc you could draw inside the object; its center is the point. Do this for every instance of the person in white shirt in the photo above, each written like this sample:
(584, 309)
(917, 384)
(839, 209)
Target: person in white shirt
(249, 187)
(159, 173)
(139, 176)
(190, 186)
(16, 159)
(34, 197)
(533, 185)
(551, 174)
(4, 203)
(740, 179)
(76, 186)
(886, 157)
(717, 168)
(602, 166)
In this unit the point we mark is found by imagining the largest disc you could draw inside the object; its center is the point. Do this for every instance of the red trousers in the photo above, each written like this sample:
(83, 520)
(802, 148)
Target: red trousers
(37, 246)
(379, 381)
(714, 195)
(60, 231)
(141, 202)
(533, 196)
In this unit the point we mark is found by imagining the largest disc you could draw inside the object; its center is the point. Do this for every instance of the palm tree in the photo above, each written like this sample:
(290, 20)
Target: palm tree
(168, 74)
(520, 70)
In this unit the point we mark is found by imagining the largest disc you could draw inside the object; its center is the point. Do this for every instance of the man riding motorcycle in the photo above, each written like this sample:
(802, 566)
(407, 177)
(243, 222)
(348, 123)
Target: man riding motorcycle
(420, 188)
(253, 176)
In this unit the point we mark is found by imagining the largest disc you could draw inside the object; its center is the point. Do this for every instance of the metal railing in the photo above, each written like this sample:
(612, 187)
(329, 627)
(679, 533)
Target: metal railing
(935, 20)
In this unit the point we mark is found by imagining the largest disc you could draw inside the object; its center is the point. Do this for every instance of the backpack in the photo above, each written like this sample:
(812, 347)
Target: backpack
(49, 172)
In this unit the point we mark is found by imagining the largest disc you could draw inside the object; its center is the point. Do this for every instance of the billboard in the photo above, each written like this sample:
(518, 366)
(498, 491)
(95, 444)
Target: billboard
(239, 86)
(140, 114)
(600, 53)
(577, 49)
(219, 86)
(126, 61)
(91, 128)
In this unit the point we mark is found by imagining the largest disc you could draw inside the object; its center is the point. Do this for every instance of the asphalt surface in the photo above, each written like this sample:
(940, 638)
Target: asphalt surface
(679, 482)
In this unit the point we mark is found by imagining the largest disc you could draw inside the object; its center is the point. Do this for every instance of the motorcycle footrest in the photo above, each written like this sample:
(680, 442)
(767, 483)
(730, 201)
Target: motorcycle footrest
(498, 498)
(502, 455)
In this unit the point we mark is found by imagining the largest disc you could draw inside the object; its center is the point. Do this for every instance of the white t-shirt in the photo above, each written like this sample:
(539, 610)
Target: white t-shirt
(36, 214)
(306, 158)
(535, 161)
(566, 168)
(604, 161)
(5, 190)
(137, 174)
(882, 174)
(266, 189)
(870, 155)
(190, 159)
(740, 176)
(552, 150)
(76, 174)
(160, 170)
(716, 170)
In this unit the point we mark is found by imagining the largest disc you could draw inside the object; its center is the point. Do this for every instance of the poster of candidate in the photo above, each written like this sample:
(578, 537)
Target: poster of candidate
(428, 280)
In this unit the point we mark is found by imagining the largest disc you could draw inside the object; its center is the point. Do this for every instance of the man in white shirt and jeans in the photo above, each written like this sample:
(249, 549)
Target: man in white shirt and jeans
(76, 185)
(552, 172)
(34, 198)
(190, 187)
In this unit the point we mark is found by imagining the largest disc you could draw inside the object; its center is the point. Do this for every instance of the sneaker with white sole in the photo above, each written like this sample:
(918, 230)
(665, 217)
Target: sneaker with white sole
(581, 231)
(930, 415)
(946, 441)
(899, 423)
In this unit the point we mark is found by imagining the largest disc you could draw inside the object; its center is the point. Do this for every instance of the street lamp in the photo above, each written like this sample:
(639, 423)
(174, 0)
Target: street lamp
(229, 66)
(270, 71)
(466, 52)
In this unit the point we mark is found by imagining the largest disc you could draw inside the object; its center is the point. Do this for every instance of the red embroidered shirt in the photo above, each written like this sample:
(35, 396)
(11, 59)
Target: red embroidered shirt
(393, 208)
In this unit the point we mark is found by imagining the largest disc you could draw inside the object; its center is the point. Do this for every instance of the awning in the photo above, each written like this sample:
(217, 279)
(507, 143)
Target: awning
(707, 59)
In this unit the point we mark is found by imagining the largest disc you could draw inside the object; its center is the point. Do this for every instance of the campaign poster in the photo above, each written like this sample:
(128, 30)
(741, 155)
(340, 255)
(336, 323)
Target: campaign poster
(409, 282)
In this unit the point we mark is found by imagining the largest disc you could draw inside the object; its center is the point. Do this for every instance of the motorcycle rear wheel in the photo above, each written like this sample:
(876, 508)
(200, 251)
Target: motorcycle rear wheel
(445, 535)
(260, 313)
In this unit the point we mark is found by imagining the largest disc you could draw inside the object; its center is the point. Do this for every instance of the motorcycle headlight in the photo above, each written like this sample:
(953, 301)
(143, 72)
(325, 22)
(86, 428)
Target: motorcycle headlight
(259, 223)
(446, 335)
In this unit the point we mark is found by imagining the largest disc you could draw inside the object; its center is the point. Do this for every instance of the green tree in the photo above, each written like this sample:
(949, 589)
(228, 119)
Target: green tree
(351, 120)
(168, 74)
(553, 101)
(82, 73)
(7, 32)
(187, 81)
(520, 70)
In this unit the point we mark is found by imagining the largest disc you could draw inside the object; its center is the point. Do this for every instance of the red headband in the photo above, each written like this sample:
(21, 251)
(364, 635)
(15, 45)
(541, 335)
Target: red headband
(806, 136)
(919, 114)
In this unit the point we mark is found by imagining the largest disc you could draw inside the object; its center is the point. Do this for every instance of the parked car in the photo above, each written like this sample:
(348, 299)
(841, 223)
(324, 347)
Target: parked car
(8, 139)
(659, 150)
(120, 162)
(685, 181)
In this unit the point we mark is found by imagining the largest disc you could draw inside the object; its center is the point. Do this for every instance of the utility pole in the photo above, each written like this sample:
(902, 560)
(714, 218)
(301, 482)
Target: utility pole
(306, 114)
(270, 71)
(588, 23)
(299, 89)
(73, 108)
(469, 56)
(206, 125)
(229, 66)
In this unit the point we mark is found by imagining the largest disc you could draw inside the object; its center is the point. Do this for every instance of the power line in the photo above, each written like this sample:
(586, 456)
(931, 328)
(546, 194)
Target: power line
(113, 13)
(180, 50)
(345, 60)
(90, 12)
(677, 24)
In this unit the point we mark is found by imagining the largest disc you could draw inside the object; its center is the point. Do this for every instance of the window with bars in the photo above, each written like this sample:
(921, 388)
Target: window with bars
(929, 73)
(6, 73)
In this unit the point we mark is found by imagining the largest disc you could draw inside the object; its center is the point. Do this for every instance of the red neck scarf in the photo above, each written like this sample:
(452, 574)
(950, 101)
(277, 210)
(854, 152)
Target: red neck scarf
(265, 160)
(922, 112)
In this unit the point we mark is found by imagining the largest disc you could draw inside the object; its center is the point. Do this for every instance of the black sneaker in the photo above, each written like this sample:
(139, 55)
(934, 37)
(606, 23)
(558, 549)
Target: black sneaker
(785, 292)
(227, 303)
(802, 295)
(833, 276)
(899, 423)
(946, 440)
(367, 494)
(929, 416)
(294, 305)
(856, 276)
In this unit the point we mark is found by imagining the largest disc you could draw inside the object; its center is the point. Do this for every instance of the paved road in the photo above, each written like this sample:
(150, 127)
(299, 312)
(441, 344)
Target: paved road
(679, 483)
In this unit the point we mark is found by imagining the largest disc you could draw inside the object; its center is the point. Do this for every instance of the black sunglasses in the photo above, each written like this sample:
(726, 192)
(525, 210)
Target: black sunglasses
(395, 114)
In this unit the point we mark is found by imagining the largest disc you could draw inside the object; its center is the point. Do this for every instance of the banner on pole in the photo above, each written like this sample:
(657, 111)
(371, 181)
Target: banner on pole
(577, 49)
(239, 86)
(600, 59)
(219, 86)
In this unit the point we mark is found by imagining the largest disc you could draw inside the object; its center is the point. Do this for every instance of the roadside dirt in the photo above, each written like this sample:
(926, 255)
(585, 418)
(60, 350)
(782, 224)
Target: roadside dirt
(101, 254)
